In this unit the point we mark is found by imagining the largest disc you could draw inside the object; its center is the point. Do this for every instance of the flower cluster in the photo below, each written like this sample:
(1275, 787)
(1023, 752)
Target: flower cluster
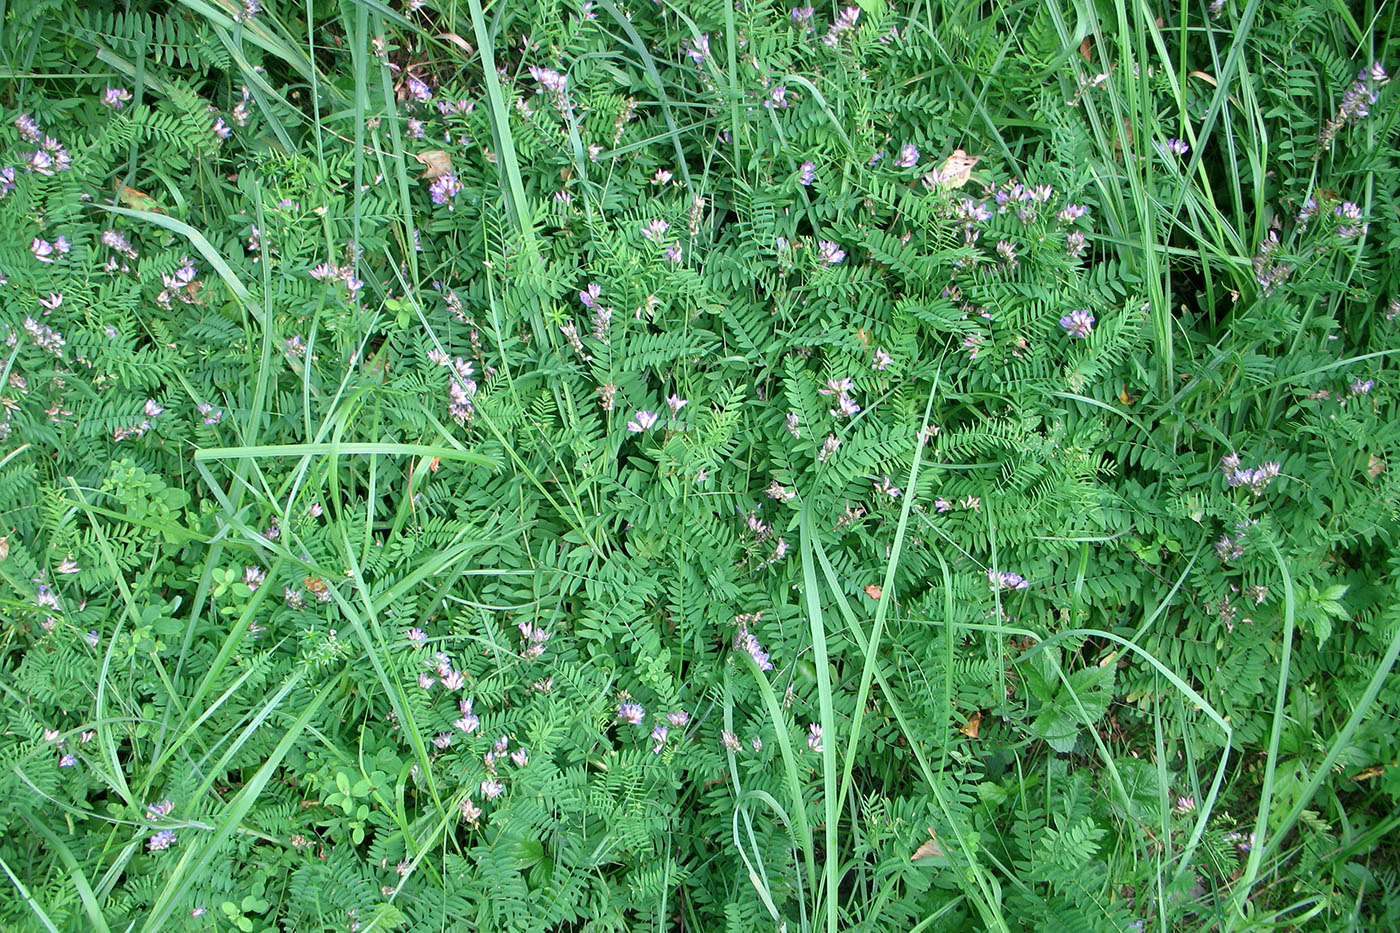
(845, 405)
(1356, 104)
(344, 274)
(1268, 271)
(843, 24)
(533, 638)
(461, 387)
(444, 189)
(1078, 324)
(746, 641)
(1006, 580)
(1257, 479)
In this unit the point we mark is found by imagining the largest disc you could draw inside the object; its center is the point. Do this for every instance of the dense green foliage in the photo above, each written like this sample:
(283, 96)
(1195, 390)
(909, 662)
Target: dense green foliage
(575, 467)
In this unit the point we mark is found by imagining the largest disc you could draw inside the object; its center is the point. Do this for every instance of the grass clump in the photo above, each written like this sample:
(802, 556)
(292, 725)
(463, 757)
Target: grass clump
(587, 467)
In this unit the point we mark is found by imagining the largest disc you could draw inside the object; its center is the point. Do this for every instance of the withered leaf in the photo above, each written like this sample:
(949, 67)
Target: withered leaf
(136, 200)
(970, 728)
(438, 163)
(874, 591)
(929, 849)
(956, 170)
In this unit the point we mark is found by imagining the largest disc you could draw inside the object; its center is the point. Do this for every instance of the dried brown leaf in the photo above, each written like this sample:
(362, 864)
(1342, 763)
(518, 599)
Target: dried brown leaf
(438, 163)
(929, 849)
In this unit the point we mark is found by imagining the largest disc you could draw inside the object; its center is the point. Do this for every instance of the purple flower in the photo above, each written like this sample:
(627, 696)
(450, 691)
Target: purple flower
(658, 735)
(7, 180)
(678, 719)
(1177, 147)
(590, 295)
(730, 741)
(882, 359)
(908, 156)
(828, 447)
(698, 50)
(802, 16)
(674, 253)
(161, 840)
(550, 80)
(469, 722)
(808, 174)
(654, 228)
(470, 811)
(846, 407)
(68, 760)
(1078, 324)
(1006, 580)
(746, 641)
(642, 421)
(158, 811)
(814, 737)
(777, 97)
(28, 128)
(418, 90)
(830, 253)
(1350, 214)
(845, 22)
(453, 680)
(115, 97)
(630, 712)
(1070, 213)
(491, 789)
(442, 740)
(42, 250)
(444, 188)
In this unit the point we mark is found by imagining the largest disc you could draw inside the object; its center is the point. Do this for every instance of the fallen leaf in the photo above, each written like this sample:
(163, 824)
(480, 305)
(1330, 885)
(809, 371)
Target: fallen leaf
(1376, 467)
(1126, 397)
(4, 547)
(136, 200)
(1369, 773)
(973, 724)
(956, 170)
(873, 591)
(929, 849)
(438, 163)
(458, 41)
